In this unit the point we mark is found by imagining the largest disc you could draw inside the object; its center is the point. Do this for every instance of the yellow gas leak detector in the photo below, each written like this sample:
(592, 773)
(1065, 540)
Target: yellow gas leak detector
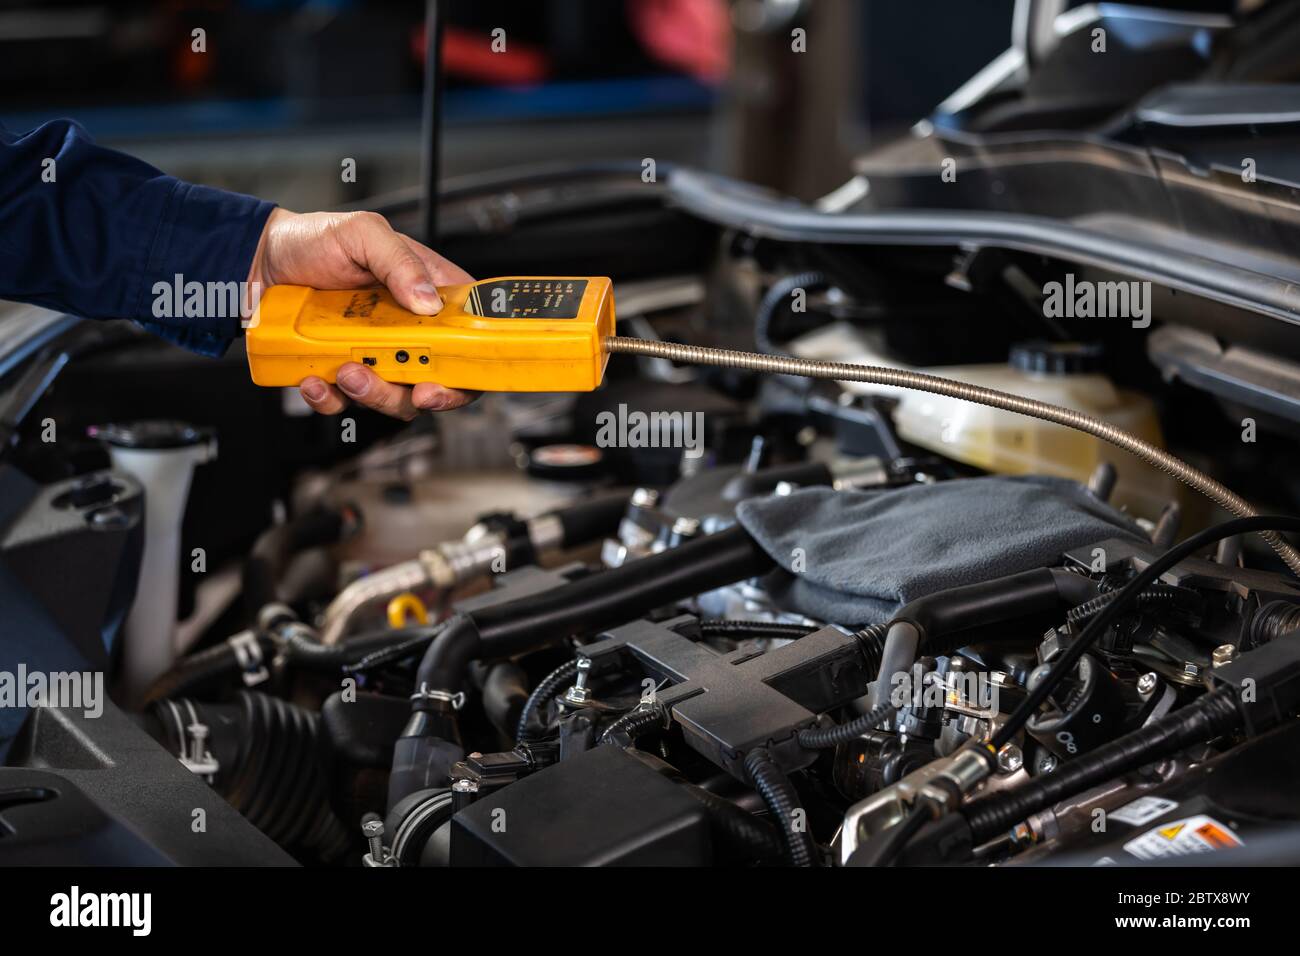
(516, 334)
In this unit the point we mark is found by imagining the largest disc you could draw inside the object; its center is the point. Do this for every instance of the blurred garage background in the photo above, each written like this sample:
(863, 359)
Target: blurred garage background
(283, 90)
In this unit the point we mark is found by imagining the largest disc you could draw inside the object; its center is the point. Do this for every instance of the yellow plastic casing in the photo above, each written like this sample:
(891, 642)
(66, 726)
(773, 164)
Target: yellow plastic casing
(513, 334)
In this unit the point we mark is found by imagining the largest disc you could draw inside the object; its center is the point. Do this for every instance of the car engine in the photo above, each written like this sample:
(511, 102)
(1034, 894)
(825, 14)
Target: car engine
(713, 613)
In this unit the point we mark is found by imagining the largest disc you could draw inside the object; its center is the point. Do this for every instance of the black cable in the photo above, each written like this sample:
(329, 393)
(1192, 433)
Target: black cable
(754, 629)
(1205, 718)
(634, 724)
(1153, 596)
(301, 645)
(772, 300)
(407, 641)
(551, 685)
(823, 738)
(782, 801)
(1064, 665)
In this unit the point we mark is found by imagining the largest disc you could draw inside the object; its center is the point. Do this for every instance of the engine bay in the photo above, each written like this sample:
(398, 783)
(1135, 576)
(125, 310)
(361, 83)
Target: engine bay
(938, 522)
(698, 617)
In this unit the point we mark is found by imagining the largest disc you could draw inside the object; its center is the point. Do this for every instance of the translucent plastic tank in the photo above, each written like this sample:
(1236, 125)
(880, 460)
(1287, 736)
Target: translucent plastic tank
(1008, 443)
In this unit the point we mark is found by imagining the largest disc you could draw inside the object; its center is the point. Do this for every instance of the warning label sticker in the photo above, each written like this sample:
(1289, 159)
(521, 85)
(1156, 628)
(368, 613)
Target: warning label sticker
(1143, 810)
(1198, 834)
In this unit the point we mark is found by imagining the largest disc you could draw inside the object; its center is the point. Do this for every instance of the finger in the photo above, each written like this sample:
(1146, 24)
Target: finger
(372, 244)
(443, 270)
(366, 388)
(322, 396)
(434, 398)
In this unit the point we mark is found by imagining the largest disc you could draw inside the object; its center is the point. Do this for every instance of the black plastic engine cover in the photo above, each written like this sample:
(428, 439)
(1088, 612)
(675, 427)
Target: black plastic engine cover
(601, 808)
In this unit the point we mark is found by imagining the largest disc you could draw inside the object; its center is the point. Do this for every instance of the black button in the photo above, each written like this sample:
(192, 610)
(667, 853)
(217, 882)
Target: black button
(401, 356)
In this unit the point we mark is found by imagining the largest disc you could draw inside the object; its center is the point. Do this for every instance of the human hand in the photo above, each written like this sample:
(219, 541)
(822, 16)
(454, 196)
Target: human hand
(348, 250)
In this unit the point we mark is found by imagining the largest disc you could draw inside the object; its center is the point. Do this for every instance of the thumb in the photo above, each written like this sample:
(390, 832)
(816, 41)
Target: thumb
(385, 254)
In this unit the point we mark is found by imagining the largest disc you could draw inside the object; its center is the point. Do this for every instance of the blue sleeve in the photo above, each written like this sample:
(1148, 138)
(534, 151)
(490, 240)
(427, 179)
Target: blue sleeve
(97, 233)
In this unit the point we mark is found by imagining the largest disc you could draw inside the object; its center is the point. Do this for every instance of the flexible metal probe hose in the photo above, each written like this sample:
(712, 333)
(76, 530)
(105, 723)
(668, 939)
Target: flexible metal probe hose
(897, 378)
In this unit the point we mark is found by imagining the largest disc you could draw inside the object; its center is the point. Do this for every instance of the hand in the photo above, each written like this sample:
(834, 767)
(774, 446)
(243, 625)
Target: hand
(349, 250)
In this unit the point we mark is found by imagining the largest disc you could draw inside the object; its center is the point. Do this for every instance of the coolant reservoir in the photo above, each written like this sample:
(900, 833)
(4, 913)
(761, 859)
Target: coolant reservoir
(1009, 443)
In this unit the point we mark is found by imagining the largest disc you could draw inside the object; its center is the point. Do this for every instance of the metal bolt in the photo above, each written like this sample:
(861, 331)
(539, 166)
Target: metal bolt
(1191, 671)
(645, 498)
(1223, 654)
(686, 527)
(463, 792)
(1047, 763)
(1010, 758)
(1147, 683)
(198, 734)
(372, 828)
(579, 693)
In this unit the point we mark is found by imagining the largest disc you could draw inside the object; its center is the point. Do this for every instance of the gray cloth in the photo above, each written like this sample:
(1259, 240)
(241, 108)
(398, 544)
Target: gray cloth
(857, 556)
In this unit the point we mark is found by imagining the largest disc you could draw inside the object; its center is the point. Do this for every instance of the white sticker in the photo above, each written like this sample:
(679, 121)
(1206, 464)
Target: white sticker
(1198, 834)
(1143, 810)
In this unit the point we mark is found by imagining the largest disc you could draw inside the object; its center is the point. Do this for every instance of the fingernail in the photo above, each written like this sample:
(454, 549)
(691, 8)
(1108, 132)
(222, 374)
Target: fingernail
(314, 390)
(427, 293)
(354, 381)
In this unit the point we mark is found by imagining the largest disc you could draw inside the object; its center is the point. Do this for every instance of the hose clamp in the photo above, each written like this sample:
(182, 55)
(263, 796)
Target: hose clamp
(248, 655)
(456, 701)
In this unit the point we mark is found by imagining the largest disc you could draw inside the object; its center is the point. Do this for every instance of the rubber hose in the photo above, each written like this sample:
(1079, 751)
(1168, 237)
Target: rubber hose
(591, 603)
(505, 690)
(739, 829)
(197, 670)
(782, 801)
(941, 617)
(303, 648)
(219, 662)
(270, 555)
(270, 767)
(591, 520)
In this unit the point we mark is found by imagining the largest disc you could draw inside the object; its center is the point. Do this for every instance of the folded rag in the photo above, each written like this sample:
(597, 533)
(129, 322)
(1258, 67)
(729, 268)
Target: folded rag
(855, 557)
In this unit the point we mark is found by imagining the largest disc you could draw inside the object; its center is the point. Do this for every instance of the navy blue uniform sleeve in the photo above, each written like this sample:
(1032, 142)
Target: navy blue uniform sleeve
(97, 233)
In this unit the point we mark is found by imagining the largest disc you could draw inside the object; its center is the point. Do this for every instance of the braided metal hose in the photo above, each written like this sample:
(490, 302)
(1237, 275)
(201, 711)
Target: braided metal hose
(878, 375)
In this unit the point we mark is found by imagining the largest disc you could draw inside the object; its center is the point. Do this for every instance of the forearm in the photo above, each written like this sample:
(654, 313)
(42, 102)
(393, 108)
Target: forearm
(95, 232)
